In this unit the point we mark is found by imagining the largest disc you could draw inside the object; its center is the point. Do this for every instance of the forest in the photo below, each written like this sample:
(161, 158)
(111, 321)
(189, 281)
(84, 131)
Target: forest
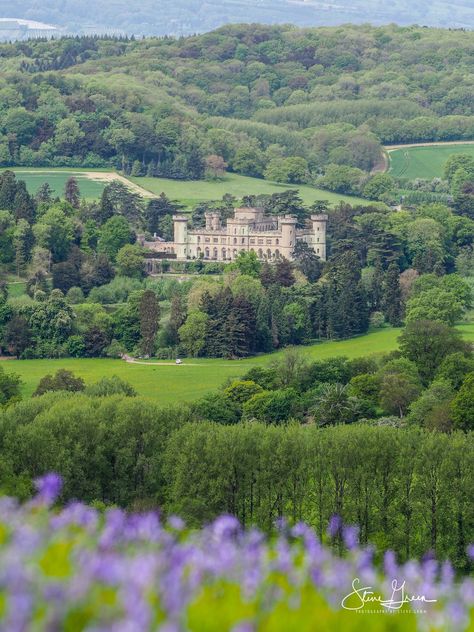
(293, 105)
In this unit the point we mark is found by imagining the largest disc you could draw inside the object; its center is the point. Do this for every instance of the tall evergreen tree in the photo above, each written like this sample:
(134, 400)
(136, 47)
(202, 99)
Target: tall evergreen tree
(72, 193)
(149, 312)
(392, 296)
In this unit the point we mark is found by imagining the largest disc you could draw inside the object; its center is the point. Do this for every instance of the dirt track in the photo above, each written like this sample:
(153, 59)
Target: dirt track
(438, 144)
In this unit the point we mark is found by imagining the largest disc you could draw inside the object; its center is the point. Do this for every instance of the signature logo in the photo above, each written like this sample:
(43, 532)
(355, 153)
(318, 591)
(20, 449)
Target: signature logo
(362, 595)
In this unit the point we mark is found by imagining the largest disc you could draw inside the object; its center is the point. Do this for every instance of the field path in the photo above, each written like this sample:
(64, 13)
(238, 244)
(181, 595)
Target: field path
(110, 176)
(390, 148)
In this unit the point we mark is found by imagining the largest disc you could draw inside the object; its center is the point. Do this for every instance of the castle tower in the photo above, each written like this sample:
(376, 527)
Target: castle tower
(319, 223)
(288, 236)
(180, 225)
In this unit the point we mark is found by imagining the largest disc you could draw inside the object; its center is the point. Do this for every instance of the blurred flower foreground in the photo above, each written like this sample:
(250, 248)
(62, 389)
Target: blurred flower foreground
(79, 569)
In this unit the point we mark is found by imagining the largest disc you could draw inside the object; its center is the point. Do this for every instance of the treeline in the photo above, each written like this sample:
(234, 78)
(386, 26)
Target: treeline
(244, 95)
(409, 490)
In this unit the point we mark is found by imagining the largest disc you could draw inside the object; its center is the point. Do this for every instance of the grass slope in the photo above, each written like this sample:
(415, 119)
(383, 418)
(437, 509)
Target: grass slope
(192, 192)
(424, 162)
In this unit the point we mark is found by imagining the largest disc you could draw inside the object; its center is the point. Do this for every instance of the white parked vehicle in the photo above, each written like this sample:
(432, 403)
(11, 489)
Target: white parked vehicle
(178, 361)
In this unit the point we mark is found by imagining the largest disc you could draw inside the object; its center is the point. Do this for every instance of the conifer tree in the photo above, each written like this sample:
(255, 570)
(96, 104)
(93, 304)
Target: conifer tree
(392, 296)
(72, 193)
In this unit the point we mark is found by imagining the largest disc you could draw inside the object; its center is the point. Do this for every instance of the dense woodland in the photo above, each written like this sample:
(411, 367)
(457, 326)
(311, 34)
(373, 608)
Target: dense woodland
(310, 105)
(177, 17)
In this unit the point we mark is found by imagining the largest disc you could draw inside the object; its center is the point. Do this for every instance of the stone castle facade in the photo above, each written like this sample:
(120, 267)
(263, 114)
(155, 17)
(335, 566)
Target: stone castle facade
(271, 238)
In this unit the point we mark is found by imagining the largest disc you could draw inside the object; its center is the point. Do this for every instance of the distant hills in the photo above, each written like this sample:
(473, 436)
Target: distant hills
(182, 17)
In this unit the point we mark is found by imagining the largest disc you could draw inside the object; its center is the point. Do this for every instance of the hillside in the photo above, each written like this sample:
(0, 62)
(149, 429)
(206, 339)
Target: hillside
(190, 16)
(299, 106)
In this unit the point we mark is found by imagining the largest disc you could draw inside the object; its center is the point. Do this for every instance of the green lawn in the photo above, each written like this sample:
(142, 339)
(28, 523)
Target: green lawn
(196, 377)
(424, 162)
(34, 178)
(192, 192)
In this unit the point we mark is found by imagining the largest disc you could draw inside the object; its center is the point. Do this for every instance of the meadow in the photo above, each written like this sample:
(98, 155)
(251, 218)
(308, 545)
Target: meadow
(424, 162)
(90, 189)
(192, 192)
(169, 383)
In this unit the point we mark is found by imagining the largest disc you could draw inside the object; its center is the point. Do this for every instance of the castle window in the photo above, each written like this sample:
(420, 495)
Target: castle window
(269, 242)
(243, 240)
(277, 241)
(260, 242)
(215, 240)
(207, 240)
(235, 240)
(252, 241)
(206, 253)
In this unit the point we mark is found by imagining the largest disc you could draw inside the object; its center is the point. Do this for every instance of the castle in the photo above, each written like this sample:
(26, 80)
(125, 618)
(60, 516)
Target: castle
(271, 238)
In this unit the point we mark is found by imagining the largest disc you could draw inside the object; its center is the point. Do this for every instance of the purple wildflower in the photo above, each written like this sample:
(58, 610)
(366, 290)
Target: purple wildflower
(48, 488)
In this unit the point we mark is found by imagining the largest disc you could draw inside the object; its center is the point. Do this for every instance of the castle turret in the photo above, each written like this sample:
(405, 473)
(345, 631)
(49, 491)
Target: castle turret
(180, 224)
(288, 235)
(319, 223)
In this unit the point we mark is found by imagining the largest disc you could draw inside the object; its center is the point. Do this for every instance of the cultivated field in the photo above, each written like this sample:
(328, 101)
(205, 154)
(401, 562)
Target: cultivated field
(190, 193)
(424, 161)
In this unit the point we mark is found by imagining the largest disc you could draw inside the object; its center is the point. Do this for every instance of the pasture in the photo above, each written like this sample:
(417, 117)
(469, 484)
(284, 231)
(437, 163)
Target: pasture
(424, 162)
(90, 188)
(169, 383)
(192, 192)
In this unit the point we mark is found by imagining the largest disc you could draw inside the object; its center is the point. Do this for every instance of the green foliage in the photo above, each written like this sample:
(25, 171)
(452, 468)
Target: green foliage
(62, 380)
(462, 408)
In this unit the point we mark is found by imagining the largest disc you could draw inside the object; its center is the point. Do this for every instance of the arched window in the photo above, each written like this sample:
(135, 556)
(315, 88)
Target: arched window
(260, 253)
(214, 256)
(224, 253)
(206, 253)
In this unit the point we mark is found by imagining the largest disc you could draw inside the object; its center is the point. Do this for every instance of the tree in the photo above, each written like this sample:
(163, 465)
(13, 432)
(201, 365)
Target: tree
(17, 335)
(462, 407)
(241, 391)
(284, 273)
(62, 380)
(273, 407)
(334, 405)
(378, 186)
(9, 388)
(72, 193)
(114, 234)
(427, 343)
(130, 261)
(397, 392)
(392, 296)
(149, 321)
(55, 232)
(108, 386)
(455, 367)
(215, 166)
(156, 210)
(307, 261)
(192, 334)
(435, 305)
(247, 263)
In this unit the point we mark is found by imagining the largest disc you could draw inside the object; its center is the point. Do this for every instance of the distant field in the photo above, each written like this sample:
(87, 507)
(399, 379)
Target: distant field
(192, 192)
(424, 162)
(90, 189)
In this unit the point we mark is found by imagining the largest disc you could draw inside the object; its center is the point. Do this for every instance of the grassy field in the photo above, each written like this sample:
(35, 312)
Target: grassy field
(169, 383)
(192, 192)
(57, 178)
(424, 162)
